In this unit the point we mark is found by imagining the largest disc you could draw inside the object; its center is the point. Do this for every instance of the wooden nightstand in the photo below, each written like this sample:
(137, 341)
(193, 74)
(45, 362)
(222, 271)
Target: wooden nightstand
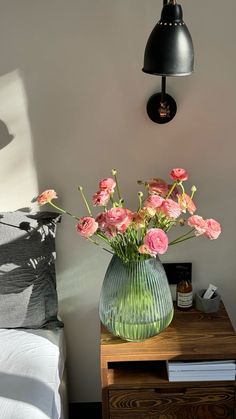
(134, 376)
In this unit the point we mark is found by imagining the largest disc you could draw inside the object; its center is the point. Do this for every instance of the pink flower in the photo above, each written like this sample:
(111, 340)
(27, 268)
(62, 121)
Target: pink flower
(139, 219)
(107, 184)
(101, 198)
(198, 223)
(119, 217)
(153, 201)
(186, 203)
(213, 229)
(127, 221)
(143, 249)
(155, 241)
(46, 196)
(158, 186)
(179, 174)
(109, 231)
(101, 220)
(171, 208)
(86, 226)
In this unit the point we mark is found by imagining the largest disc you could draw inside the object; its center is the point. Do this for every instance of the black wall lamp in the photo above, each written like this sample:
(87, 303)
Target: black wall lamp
(169, 52)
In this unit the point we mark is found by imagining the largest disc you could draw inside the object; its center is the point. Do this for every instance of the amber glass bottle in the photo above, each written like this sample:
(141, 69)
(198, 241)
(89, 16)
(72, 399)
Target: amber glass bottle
(184, 295)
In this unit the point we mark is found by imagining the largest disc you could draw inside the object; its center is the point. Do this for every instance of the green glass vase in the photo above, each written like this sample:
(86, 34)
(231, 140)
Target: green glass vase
(135, 301)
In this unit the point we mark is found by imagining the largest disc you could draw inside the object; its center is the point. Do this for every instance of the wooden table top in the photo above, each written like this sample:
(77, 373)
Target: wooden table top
(191, 335)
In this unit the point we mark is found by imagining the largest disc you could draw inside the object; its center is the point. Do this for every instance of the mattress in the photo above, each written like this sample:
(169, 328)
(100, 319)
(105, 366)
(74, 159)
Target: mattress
(32, 373)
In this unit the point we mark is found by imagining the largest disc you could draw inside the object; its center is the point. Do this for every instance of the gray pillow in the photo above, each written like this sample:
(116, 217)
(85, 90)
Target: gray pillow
(28, 294)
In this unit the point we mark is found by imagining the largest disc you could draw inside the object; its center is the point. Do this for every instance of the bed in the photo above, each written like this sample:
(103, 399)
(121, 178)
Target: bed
(32, 337)
(32, 374)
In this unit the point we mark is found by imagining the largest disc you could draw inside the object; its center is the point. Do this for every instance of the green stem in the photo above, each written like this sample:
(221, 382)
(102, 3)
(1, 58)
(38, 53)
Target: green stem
(101, 236)
(180, 238)
(62, 210)
(85, 200)
(181, 185)
(112, 200)
(117, 184)
(169, 226)
(193, 190)
(94, 242)
(171, 190)
(140, 195)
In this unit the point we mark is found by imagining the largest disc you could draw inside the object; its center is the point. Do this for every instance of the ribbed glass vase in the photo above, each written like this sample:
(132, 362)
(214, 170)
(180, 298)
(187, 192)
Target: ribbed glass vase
(135, 300)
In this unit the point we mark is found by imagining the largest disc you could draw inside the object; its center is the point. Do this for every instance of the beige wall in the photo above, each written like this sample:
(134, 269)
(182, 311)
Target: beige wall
(73, 95)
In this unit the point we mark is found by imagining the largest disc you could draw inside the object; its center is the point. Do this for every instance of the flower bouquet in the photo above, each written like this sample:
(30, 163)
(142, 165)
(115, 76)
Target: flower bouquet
(143, 233)
(135, 300)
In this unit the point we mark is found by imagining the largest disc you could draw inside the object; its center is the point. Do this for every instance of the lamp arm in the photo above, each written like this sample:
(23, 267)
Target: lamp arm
(163, 88)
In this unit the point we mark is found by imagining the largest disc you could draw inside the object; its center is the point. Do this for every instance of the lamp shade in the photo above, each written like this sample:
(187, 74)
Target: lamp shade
(169, 49)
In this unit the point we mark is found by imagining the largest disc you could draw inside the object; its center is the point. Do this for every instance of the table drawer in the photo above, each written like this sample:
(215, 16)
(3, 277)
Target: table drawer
(173, 403)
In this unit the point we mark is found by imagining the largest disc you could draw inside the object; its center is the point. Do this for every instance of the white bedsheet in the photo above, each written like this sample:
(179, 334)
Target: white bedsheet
(31, 369)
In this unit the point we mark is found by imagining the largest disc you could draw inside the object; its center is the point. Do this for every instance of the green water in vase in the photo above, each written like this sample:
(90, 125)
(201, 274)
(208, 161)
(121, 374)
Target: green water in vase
(135, 300)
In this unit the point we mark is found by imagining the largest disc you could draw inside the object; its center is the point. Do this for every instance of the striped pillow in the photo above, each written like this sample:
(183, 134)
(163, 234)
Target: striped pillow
(28, 294)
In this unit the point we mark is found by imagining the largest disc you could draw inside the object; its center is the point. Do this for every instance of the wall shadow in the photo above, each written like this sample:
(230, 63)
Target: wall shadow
(5, 136)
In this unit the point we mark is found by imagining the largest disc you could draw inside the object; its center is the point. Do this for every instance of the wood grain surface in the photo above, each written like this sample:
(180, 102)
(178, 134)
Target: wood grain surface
(134, 376)
(203, 403)
(191, 335)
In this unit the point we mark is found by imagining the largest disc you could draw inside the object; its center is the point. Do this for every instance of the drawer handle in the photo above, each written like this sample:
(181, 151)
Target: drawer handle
(177, 391)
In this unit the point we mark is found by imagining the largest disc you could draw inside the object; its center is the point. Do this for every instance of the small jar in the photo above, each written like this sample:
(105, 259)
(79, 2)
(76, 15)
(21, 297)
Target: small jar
(184, 295)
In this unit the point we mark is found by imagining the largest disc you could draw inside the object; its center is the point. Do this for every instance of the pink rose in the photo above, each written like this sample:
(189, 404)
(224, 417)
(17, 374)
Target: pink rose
(109, 231)
(46, 196)
(158, 186)
(116, 215)
(213, 229)
(107, 184)
(179, 174)
(119, 217)
(127, 221)
(101, 198)
(171, 208)
(86, 226)
(155, 241)
(198, 223)
(101, 220)
(186, 203)
(153, 201)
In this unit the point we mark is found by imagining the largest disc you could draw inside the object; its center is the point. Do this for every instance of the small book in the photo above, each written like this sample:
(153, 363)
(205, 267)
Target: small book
(201, 365)
(202, 377)
(201, 371)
